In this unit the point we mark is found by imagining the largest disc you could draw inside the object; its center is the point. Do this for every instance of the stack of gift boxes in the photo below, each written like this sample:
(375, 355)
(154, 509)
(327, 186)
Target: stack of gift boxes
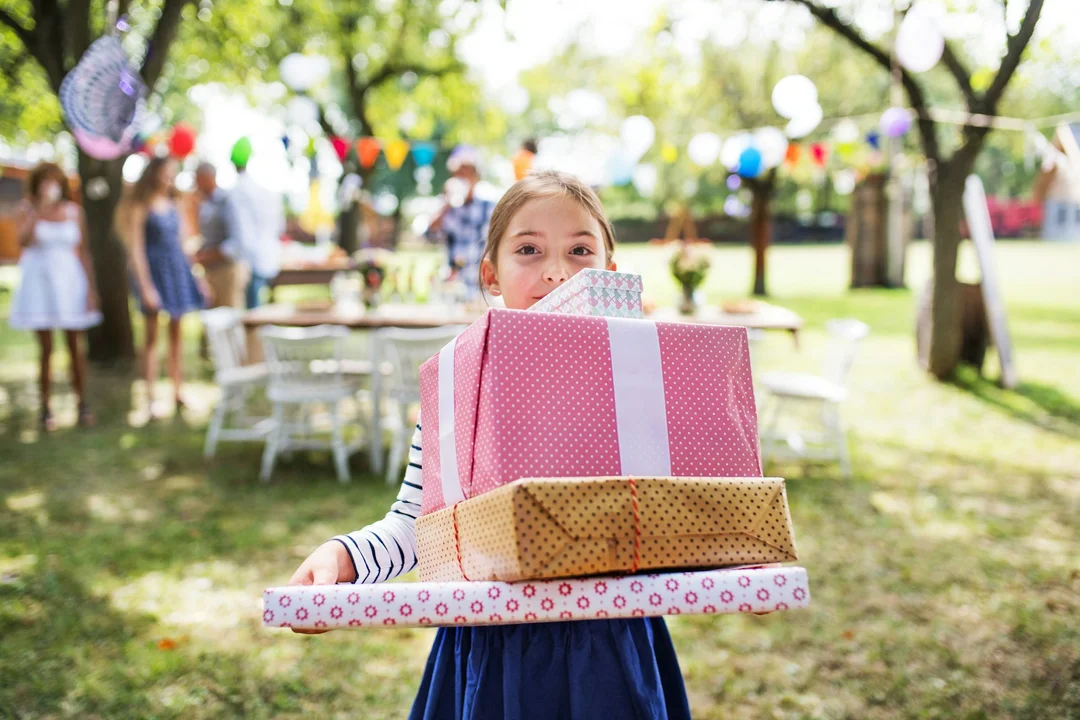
(581, 462)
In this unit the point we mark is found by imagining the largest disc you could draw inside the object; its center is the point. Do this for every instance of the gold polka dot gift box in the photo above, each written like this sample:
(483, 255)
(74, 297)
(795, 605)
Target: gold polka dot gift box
(537, 529)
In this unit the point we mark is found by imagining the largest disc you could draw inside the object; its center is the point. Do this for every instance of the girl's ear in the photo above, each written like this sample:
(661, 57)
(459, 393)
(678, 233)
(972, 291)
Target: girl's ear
(489, 277)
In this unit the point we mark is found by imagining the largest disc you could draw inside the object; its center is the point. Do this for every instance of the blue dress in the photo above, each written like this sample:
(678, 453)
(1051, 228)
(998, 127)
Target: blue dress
(169, 268)
(622, 669)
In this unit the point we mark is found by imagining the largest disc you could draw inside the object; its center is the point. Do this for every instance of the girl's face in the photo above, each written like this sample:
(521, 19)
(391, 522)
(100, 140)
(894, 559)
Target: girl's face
(546, 243)
(166, 176)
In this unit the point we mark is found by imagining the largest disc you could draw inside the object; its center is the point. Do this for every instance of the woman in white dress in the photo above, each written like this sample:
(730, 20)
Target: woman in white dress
(57, 289)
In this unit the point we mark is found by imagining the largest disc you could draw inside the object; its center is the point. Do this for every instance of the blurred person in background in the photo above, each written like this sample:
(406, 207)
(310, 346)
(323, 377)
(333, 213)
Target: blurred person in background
(57, 287)
(221, 256)
(260, 221)
(463, 221)
(153, 227)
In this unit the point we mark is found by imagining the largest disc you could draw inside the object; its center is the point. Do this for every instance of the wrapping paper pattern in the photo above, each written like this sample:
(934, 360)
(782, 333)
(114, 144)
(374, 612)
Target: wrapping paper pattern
(743, 590)
(534, 396)
(571, 527)
(600, 293)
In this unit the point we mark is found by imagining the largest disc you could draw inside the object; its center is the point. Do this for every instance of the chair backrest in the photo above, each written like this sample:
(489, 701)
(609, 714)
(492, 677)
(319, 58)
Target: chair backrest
(844, 337)
(406, 350)
(304, 358)
(226, 337)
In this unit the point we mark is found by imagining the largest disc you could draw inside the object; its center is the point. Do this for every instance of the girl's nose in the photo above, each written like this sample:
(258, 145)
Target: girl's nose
(556, 273)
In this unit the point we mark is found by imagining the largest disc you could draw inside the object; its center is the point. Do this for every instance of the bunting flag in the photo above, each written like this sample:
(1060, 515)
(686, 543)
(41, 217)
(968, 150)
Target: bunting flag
(819, 153)
(367, 150)
(523, 163)
(791, 156)
(341, 147)
(395, 152)
(423, 153)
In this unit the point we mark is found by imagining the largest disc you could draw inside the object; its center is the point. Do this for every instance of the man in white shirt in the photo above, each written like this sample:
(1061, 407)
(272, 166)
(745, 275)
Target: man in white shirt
(260, 221)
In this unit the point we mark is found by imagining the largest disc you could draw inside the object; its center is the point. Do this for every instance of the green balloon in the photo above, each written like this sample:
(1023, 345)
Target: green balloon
(241, 152)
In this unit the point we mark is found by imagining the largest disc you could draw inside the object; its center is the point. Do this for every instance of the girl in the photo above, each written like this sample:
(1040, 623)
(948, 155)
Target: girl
(546, 228)
(152, 226)
(57, 288)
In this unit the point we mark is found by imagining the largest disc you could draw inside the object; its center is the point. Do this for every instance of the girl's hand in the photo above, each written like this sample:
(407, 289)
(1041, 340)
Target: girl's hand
(204, 289)
(151, 299)
(93, 302)
(329, 564)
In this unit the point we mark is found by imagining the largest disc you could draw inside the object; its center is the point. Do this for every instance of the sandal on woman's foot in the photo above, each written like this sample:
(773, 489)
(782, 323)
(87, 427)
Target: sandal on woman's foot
(86, 418)
(48, 424)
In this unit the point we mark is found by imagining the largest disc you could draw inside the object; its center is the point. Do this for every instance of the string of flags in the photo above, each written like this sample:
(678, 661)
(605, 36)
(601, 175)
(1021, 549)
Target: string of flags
(368, 149)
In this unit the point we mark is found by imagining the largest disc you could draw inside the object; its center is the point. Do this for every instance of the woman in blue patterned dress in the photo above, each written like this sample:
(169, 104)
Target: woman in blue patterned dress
(162, 272)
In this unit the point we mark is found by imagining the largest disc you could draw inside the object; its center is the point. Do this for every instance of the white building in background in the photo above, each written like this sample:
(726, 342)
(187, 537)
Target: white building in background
(1058, 186)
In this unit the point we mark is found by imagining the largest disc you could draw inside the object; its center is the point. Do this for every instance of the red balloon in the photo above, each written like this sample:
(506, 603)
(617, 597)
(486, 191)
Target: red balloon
(182, 141)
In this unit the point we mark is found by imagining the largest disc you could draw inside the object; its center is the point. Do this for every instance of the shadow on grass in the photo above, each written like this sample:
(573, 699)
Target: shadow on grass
(1038, 404)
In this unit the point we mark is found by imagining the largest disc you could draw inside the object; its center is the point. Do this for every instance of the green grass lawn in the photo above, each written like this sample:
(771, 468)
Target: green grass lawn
(945, 575)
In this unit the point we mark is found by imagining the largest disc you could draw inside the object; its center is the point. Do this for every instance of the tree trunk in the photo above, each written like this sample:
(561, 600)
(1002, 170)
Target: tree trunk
(760, 229)
(112, 340)
(865, 233)
(947, 201)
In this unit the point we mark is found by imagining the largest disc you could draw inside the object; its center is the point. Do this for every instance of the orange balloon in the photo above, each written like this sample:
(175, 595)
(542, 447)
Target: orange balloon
(367, 150)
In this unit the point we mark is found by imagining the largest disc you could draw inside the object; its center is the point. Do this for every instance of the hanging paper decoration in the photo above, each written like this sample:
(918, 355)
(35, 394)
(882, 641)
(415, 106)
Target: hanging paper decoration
(819, 153)
(805, 123)
(638, 135)
(873, 139)
(919, 42)
(181, 141)
(396, 151)
(895, 122)
(644, 178)
(423, 153)
(367, 149)
(620, 168)
(523, 162)
(669, 153)
(285, 142)
(773, 146)
(302, 72)
(704, 149)
(794, 95)
(733, 149)
(241, 152)
(734, 182)
(341, 147)
(138, 142)
(310, 151)
(791, 157)
(750, 163)
(102, 99)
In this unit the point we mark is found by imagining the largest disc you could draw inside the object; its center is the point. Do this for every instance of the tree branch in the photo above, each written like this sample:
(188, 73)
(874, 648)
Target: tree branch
(392, 70)
(78, 28)
(26, 35)
(157, 49)
(961, 74)
(49, 32)
(1014, 51)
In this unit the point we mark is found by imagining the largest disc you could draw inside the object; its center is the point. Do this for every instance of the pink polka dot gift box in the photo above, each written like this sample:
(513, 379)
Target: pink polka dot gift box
(523, 394)
(741, 590)
(602, 293)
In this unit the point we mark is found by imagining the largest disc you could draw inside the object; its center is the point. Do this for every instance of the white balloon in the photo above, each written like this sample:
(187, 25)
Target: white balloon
(793, 95)
(638, 135)
(919, 42)
(845, 131)
(805, 123)
(644, 179)
(773, 146)
(733, 148)
(844, 182)
(302, 72)
(704, 148)
(302, 111)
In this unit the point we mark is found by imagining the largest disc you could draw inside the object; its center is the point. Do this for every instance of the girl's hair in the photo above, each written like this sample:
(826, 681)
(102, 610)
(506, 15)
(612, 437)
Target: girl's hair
(147, 184)
(48, 171)
(545, 184)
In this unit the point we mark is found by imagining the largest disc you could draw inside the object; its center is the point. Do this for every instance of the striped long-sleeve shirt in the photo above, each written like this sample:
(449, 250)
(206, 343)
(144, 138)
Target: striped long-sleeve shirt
(387, 548)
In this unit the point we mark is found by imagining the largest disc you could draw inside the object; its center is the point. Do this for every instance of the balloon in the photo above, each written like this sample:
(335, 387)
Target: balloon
(423, 153)
(805, 123)
(523, 162)
(794, 95)
(919, 42)
(733, 147)
(704, 148)
(638, 135)
(845, 131)
(734, 182)
(750, 163)
(302, 111)
(791, 157)
(341, 147)
(302, 72)
(367, 149)
(181, 141)
(669, 153)
(396, 151)
(773, 146)
(844, 182)
(241, 152)
(620, 168)
(819, 153)
(644, 178)
(895, 122)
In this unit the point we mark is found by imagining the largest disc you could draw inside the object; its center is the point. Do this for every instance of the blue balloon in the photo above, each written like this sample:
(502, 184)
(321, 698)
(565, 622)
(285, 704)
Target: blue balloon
(750, 163)
(423, 153)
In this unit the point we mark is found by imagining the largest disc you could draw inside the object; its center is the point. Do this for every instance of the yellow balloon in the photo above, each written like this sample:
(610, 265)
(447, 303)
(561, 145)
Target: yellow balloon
(669, 153)
(396, 151)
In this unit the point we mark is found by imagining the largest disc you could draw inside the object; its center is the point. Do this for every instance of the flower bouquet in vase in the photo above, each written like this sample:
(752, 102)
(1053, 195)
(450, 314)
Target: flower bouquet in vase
(690, 266)
(372, 265)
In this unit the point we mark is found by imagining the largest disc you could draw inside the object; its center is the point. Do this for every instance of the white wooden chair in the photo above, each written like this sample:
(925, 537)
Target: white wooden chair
(307, 370)
(236, 379)
(405, 350)
(785, 390)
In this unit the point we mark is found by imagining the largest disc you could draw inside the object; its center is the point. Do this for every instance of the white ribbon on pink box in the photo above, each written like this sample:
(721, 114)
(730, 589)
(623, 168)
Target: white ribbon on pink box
(733, 590)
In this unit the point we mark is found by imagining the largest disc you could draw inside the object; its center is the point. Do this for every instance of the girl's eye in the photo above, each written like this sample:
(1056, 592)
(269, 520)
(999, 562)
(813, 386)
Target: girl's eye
(527, 250)
(581, 250)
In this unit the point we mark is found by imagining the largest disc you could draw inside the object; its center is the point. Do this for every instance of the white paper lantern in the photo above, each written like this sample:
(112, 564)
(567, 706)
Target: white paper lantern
(638, 135)
(733, 148)
(794, 95)
(919, 42)
(704, 148)
(773, 146)
(804, 124)
(845, 131)
(303, 72)
(644, 178)
(302, 111)
(844, 182)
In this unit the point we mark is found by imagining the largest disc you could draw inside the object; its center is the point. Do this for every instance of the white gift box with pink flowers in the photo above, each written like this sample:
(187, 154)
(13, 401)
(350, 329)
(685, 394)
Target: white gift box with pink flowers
(735, 590)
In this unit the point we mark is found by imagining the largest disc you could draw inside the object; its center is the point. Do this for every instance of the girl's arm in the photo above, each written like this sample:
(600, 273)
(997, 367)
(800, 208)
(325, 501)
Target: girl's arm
(136, 233)
(27, 220)
(84, 256)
